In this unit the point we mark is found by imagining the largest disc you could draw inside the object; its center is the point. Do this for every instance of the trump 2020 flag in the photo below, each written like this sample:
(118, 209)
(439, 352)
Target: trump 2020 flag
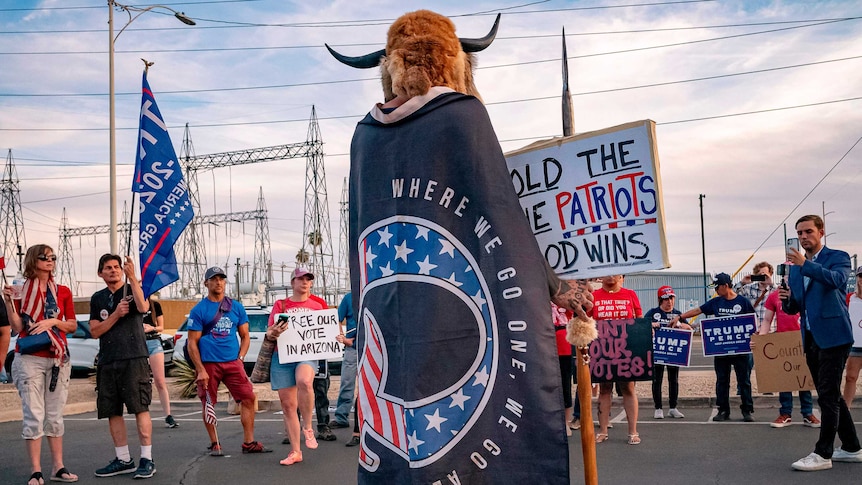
(165, 209)
(459, 380)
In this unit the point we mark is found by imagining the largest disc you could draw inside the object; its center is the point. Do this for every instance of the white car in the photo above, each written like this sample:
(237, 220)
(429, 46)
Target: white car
(83, 349)
(258, 319)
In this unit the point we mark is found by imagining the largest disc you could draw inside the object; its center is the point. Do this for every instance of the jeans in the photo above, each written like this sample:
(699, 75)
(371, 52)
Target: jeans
(827, 367)
(672, 384)
(348, 385)
(806, 403)
(740, 364)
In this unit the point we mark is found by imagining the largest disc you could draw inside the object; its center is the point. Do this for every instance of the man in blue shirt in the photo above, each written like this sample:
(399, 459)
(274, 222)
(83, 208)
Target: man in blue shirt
(217, 356)
(348, 365)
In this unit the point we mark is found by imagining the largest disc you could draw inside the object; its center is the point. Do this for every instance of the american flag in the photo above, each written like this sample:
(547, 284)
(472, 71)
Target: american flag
(421, 429)
(209, 412)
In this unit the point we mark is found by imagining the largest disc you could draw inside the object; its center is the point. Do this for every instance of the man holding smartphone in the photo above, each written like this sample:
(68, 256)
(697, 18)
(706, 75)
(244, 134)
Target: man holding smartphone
(817, 283)
(756, 287)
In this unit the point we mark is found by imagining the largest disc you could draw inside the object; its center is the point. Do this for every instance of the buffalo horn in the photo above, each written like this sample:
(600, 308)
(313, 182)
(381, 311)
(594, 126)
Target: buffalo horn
(361, 62)
(476, 45)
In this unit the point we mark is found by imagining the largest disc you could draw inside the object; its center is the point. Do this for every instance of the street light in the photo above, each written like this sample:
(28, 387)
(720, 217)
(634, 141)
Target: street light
(112, 127)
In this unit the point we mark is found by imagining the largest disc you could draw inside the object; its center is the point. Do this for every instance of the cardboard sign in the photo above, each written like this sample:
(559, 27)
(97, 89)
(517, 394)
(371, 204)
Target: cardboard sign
(728, 335)
(594, 200)
(671, 346)
(310, 335)
(623, 351)
(779, 363)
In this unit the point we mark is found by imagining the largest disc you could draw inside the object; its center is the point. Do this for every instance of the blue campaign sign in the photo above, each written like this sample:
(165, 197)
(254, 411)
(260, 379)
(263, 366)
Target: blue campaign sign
(728, 335)
(671, 346)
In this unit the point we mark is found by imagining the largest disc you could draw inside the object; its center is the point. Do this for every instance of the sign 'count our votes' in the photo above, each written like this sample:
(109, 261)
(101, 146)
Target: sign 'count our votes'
(309, 336)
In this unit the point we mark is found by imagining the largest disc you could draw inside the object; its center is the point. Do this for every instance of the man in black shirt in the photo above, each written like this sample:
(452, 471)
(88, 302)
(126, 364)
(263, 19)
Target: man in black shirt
(123, 375)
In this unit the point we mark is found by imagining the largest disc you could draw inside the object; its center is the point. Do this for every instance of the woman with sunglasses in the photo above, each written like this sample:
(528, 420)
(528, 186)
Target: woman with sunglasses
(42, 376)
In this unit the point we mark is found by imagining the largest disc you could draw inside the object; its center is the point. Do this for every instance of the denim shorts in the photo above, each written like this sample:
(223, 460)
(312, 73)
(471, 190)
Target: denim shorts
(282, 376)
(154, 346)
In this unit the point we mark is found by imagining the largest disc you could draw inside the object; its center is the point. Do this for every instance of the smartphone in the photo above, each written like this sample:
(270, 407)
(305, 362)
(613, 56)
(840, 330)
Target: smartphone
(758, 277)
(792, 242)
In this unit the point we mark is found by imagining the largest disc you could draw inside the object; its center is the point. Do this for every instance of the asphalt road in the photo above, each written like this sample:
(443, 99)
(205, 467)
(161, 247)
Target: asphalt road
(680, 451)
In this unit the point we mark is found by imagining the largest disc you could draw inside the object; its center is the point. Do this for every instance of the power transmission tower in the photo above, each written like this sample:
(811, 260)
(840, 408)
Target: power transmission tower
(344, 231)
(262, 254)
(11, 219)
(193, 260)
(65, 260)
(316, 233)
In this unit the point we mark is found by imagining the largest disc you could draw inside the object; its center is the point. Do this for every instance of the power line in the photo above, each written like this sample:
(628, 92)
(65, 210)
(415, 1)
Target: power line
(90, 7)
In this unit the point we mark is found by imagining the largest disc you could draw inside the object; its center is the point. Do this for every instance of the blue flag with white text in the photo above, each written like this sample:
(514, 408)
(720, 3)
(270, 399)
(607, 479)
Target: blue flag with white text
(165, 209)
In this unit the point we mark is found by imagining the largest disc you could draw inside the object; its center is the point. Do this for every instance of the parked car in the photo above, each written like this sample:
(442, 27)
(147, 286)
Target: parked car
(258, 319)
(83, 349)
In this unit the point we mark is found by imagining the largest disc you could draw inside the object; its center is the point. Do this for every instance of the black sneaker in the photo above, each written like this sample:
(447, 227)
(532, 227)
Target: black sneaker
(326, 434)
(338, 424)
(116, 467)
(170, 422)
(747, 417)
(354, 441)
(146, 469)
(721, 417)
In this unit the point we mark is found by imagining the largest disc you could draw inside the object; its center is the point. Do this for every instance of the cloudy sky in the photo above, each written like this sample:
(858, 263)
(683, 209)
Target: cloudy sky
(757, 105)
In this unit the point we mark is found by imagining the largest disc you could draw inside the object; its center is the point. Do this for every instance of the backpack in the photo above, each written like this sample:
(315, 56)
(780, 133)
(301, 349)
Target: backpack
(223, 307)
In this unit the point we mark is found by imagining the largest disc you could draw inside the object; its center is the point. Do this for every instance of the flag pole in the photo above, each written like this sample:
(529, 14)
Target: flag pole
(588, 437)
(129, 240)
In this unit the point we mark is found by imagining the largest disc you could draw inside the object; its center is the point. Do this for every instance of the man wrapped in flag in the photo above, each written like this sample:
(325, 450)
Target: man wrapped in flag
(165, 209)
(458, 377)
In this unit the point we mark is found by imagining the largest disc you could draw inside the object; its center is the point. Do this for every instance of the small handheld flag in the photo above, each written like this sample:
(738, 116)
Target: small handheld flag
(209, 412)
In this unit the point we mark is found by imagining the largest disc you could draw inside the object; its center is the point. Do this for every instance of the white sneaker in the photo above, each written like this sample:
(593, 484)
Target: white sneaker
(812, 463)
(846, 456)
(659, 414)
(674, 413)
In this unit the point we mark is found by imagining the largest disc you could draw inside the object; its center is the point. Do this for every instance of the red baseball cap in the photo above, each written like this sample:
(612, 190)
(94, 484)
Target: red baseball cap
(665, 292)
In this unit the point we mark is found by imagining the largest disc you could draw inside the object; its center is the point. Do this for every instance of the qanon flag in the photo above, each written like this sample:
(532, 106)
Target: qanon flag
(458, 377)
(165, 209)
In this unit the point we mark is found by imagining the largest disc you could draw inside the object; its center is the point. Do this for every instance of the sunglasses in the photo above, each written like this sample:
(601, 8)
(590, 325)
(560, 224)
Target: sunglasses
(43, 257)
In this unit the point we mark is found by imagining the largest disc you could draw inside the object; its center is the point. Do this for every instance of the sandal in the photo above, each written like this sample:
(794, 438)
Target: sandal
(38, 477)
(64, 475)
(601, 437)
(634, 439)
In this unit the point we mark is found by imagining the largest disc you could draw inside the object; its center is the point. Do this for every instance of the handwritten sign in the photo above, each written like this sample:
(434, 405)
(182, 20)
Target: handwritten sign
(594, 200)
(623, 351)
(671, 346)
(727, 335)
(309, 336)
(779, 363)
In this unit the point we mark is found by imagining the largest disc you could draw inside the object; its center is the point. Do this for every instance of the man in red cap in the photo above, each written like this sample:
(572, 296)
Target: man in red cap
(661, 317)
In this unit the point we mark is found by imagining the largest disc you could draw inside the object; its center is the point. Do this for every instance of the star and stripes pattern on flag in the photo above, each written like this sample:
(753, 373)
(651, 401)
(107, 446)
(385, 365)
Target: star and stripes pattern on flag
(405, 248)
(209, 412)
(165, 208)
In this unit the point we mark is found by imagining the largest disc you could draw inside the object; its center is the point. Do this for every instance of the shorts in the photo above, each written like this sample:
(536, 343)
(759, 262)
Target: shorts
(282, 376)
(154, 346)
(42, 409)
(128, 382)
(233, 375)
(855, 351)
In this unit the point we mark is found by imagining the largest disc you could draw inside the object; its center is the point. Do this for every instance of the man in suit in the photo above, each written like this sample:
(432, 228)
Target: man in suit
(817, 283)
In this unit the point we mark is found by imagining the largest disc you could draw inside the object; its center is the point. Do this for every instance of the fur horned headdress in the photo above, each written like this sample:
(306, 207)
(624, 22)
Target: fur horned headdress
(422, 51)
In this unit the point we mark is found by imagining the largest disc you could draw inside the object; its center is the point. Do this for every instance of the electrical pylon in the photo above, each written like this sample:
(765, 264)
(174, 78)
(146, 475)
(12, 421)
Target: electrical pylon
(316, 233)
(262, 254)
(11, 219)
(65, 262)
(343, 234)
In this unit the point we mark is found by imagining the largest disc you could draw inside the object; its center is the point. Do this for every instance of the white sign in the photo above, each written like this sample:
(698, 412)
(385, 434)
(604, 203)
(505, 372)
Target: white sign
(594, 200)
(309, 335)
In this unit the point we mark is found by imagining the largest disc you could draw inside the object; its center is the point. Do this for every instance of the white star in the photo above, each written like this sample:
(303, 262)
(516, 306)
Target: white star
(385, 236)
(452, 280)
(401, 251)
(426, 266)
(414, 442)
(177, 214)
(422, 232)
(369, 257)
(387, 271)
(435, 420)
(477, 298)
(183, 207)
(447, 248)
(458, 399)
(173, 221)
(481, 378)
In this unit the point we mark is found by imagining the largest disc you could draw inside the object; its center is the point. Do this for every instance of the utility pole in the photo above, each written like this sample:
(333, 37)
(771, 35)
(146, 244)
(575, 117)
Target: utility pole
(703, 247)
(11, 218)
